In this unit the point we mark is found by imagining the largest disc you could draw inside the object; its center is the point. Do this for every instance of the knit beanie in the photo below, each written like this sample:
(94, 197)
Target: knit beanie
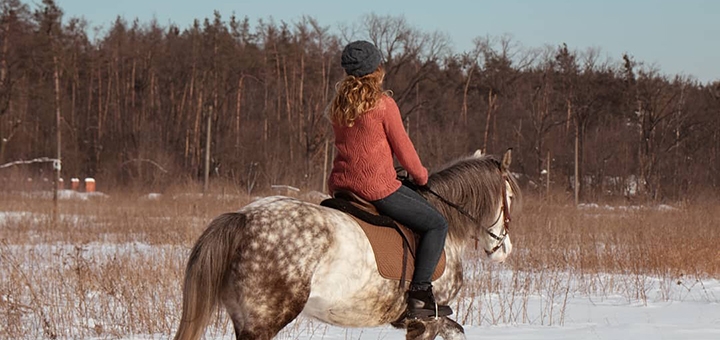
(360, 58)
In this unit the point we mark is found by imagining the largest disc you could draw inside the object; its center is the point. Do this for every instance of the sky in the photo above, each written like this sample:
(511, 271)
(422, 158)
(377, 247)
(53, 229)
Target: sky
(677, 37)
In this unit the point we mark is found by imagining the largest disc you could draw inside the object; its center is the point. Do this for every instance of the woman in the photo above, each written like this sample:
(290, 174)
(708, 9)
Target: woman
(368, 132)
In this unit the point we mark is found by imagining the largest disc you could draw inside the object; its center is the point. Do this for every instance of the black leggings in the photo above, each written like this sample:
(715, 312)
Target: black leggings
(412, 210)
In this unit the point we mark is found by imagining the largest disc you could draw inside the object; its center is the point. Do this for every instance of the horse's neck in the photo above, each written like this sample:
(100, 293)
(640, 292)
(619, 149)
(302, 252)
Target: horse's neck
(457, 248)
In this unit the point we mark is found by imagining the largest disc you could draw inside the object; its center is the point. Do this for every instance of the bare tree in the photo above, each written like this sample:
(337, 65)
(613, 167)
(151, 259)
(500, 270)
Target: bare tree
(408, 54)
(502, 59)
(135, 101)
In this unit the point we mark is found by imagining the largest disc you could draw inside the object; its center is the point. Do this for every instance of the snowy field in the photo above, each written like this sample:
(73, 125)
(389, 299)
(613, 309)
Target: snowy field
(128, 280)
(692, 313)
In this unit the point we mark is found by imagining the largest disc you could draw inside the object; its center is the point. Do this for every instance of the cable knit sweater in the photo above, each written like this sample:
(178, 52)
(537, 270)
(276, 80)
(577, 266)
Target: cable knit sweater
(363, 162)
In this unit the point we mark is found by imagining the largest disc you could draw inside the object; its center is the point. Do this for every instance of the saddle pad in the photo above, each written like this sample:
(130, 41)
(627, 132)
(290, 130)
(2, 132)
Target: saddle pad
(387, 242)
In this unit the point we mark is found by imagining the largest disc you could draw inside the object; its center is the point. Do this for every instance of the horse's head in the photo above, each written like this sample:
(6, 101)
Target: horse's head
(477, 194)
(497, 239)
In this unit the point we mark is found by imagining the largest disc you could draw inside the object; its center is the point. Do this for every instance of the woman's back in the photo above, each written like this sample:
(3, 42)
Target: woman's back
(364, 157)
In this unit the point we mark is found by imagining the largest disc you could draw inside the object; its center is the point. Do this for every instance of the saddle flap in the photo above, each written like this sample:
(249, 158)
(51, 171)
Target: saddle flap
(387, 237)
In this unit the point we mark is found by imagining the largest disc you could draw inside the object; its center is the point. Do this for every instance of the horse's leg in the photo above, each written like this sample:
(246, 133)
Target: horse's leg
(428, 329)
(267, 312)
(422, 329)
(451, 330)
(269, 280)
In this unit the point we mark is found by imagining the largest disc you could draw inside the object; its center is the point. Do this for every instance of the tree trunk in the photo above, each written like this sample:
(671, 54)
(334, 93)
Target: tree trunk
(58, 139)
(196, 133)
(208, 142)
(98, 118)
(568, 104)
(463, 112)
(266, 107)
(577, 163)
(132, 83)
(3, 58)
(278, 101)
(492, 100)
(73, 106)
(5, 88)
(323, 185)
(326, 81)
(547, 176)
(88, 112)
(302, 128)
(108, 96)
(288, 111)
(238, 106)
(188, 133)
(73, 95)
(118, 97)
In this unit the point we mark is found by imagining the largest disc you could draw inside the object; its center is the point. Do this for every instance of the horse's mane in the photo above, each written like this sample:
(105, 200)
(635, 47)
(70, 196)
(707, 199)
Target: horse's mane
(474, 183)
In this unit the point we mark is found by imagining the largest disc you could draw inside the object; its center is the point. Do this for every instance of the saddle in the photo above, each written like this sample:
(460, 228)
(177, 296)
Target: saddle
(393, 244)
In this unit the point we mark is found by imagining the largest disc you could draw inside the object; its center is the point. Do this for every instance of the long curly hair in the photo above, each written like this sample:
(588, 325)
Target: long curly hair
(355, 96)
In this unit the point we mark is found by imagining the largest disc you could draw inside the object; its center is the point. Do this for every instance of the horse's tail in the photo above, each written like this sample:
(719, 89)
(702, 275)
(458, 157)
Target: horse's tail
(209, 260)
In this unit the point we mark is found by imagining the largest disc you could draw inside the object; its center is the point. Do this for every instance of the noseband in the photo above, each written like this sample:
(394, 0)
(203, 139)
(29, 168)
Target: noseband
(505, 211)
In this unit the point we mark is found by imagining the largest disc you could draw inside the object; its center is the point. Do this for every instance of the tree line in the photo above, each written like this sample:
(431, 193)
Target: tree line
(142, 103)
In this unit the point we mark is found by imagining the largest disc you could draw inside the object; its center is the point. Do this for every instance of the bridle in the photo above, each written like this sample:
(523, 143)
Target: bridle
(505, 211)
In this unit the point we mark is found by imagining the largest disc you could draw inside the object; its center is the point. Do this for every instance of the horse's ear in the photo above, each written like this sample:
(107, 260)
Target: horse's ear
(507, 159)
(478, 153)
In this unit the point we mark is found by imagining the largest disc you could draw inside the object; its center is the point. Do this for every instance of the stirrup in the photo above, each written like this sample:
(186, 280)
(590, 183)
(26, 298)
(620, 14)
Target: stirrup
(428, 313)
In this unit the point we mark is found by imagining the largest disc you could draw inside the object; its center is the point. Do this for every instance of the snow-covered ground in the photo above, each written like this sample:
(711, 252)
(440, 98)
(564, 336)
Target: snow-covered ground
(585, 318)
(671, 309)
(693, 314)
(665, 308)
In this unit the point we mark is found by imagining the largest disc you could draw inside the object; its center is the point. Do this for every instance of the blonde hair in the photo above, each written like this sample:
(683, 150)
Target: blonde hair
(355, 96)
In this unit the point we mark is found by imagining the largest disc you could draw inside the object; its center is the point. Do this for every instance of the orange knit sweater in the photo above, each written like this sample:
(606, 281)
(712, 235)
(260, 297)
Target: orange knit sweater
(363, 162)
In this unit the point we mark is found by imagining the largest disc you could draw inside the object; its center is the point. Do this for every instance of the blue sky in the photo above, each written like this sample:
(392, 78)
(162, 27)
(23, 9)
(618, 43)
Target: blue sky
(679, 37)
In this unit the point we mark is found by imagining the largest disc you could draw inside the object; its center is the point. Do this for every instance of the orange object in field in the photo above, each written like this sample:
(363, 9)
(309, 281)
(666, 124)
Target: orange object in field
(61, 184)
(74, 184)
(89, 185)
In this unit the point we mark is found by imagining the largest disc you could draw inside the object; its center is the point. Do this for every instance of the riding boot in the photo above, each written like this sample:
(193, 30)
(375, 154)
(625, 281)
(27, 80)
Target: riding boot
(421, 303)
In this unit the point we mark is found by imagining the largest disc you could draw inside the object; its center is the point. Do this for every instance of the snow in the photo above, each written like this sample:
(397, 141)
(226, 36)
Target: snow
(586, 317)
(595, 206)
(153, 196)
(65, 195)
(693, 314)
(674, 309)
(668, 308)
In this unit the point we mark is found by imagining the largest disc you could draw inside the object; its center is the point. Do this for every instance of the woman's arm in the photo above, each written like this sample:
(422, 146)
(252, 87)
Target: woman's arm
(401, 144)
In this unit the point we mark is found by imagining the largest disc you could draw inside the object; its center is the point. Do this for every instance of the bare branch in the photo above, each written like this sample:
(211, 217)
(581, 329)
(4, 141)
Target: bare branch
(145, 160)
(36, 160)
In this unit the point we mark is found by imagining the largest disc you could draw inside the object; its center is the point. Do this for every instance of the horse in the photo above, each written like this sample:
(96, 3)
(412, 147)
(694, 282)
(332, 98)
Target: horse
(278, 257)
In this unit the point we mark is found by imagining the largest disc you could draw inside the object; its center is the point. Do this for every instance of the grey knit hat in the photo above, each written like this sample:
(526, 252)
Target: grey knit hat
(360, 58)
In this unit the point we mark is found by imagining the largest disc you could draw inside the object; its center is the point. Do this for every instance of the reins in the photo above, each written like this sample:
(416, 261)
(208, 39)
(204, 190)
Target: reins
(504, 212)
(456, 207)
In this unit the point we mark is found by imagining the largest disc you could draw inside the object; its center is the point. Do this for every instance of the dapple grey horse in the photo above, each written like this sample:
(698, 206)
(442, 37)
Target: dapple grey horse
(279, 257)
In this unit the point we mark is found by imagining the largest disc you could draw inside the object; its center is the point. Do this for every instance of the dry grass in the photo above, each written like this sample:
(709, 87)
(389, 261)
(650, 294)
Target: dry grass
(655, 240)
(112, 266)
(561, 251)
